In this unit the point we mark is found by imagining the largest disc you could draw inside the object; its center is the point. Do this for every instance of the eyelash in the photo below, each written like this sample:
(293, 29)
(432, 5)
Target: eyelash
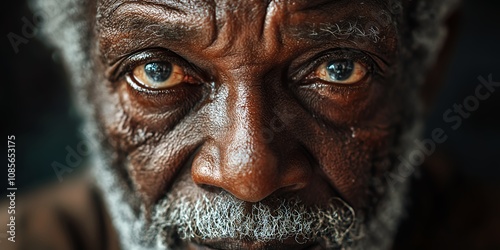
(302, 76)
(127, 64)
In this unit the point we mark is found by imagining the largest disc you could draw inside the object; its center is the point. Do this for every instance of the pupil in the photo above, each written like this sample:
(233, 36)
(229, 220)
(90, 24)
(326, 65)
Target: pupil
(340, 70)
(158, 71)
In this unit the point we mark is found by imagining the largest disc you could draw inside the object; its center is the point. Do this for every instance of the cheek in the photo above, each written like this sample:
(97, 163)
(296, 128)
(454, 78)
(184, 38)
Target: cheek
(131, 119)
(153, 167)
(349, 159)
(152, 146)
(351, 137)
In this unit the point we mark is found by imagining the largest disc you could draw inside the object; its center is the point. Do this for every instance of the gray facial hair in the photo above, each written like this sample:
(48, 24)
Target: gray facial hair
(183, 216)
(222, 216)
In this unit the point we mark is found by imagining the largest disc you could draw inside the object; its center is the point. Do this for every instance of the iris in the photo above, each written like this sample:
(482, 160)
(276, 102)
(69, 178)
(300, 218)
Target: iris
(158, 71)
(340, 70)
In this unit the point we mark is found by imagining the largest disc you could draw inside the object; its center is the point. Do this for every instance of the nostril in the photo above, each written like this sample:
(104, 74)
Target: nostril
(219, 168)
(297, 186)
(211, 188)
(289, 189)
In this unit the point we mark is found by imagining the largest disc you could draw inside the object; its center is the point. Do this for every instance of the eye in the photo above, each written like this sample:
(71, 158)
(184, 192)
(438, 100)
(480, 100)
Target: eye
(159, 75)
(341, 71)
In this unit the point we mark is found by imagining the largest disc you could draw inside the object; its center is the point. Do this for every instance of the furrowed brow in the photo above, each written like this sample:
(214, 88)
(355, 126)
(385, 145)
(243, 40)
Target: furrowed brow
(134, 25)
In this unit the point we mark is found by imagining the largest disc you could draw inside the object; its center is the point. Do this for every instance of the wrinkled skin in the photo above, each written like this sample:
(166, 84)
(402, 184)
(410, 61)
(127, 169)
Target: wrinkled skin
(252, 121)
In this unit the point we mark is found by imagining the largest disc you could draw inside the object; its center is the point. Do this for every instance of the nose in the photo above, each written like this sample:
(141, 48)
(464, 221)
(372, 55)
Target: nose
(243, 160)
(250, 173)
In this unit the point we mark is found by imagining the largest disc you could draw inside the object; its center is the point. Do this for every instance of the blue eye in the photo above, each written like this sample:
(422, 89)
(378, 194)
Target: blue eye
(342, 71)
(158, 71)
(160, 75)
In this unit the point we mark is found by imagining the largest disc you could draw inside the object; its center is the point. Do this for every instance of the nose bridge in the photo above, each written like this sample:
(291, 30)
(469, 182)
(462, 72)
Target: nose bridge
(247, 116)
(248, 161)
(238, 157)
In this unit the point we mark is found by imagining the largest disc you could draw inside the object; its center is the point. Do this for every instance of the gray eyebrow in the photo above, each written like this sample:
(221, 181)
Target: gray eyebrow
(333, 31)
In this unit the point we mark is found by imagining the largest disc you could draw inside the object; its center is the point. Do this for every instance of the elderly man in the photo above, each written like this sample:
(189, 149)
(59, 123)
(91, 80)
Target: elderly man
(244, 124)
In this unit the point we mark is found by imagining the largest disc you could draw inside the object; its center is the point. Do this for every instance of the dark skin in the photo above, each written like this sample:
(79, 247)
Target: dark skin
(248, 111)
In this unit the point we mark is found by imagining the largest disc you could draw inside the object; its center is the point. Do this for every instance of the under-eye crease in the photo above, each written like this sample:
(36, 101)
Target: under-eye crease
(158, 81)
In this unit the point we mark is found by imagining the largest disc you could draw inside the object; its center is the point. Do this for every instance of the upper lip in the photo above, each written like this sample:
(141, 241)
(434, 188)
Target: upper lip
(230, 244)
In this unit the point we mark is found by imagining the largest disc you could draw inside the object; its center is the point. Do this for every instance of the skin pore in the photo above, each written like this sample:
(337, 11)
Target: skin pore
(244, 110)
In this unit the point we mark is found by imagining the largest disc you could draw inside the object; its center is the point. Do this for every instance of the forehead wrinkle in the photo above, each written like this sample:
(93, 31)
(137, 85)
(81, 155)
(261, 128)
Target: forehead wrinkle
(160, 11)
(125, 26)
(108, 10)
(306, 5)
(185, 6)
(252, 28)
(339, 19)
(230, 21)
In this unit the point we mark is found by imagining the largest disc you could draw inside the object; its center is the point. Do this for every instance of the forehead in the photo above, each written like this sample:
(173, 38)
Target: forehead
(241, 3)
(220, 8)
(230, 26)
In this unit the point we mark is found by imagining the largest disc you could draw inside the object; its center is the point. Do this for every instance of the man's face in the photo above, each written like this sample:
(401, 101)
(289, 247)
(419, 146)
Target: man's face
(231, 124)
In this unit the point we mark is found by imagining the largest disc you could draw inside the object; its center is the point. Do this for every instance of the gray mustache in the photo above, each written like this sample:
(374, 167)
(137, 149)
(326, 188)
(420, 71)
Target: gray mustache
(222, 216)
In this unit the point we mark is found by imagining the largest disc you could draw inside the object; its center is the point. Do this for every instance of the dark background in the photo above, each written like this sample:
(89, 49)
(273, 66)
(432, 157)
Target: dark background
(36, 101)
(39, 111)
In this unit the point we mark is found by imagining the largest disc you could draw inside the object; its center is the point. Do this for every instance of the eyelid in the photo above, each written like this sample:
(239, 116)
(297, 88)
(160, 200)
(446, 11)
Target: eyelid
(358, 56)
(128, 63)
